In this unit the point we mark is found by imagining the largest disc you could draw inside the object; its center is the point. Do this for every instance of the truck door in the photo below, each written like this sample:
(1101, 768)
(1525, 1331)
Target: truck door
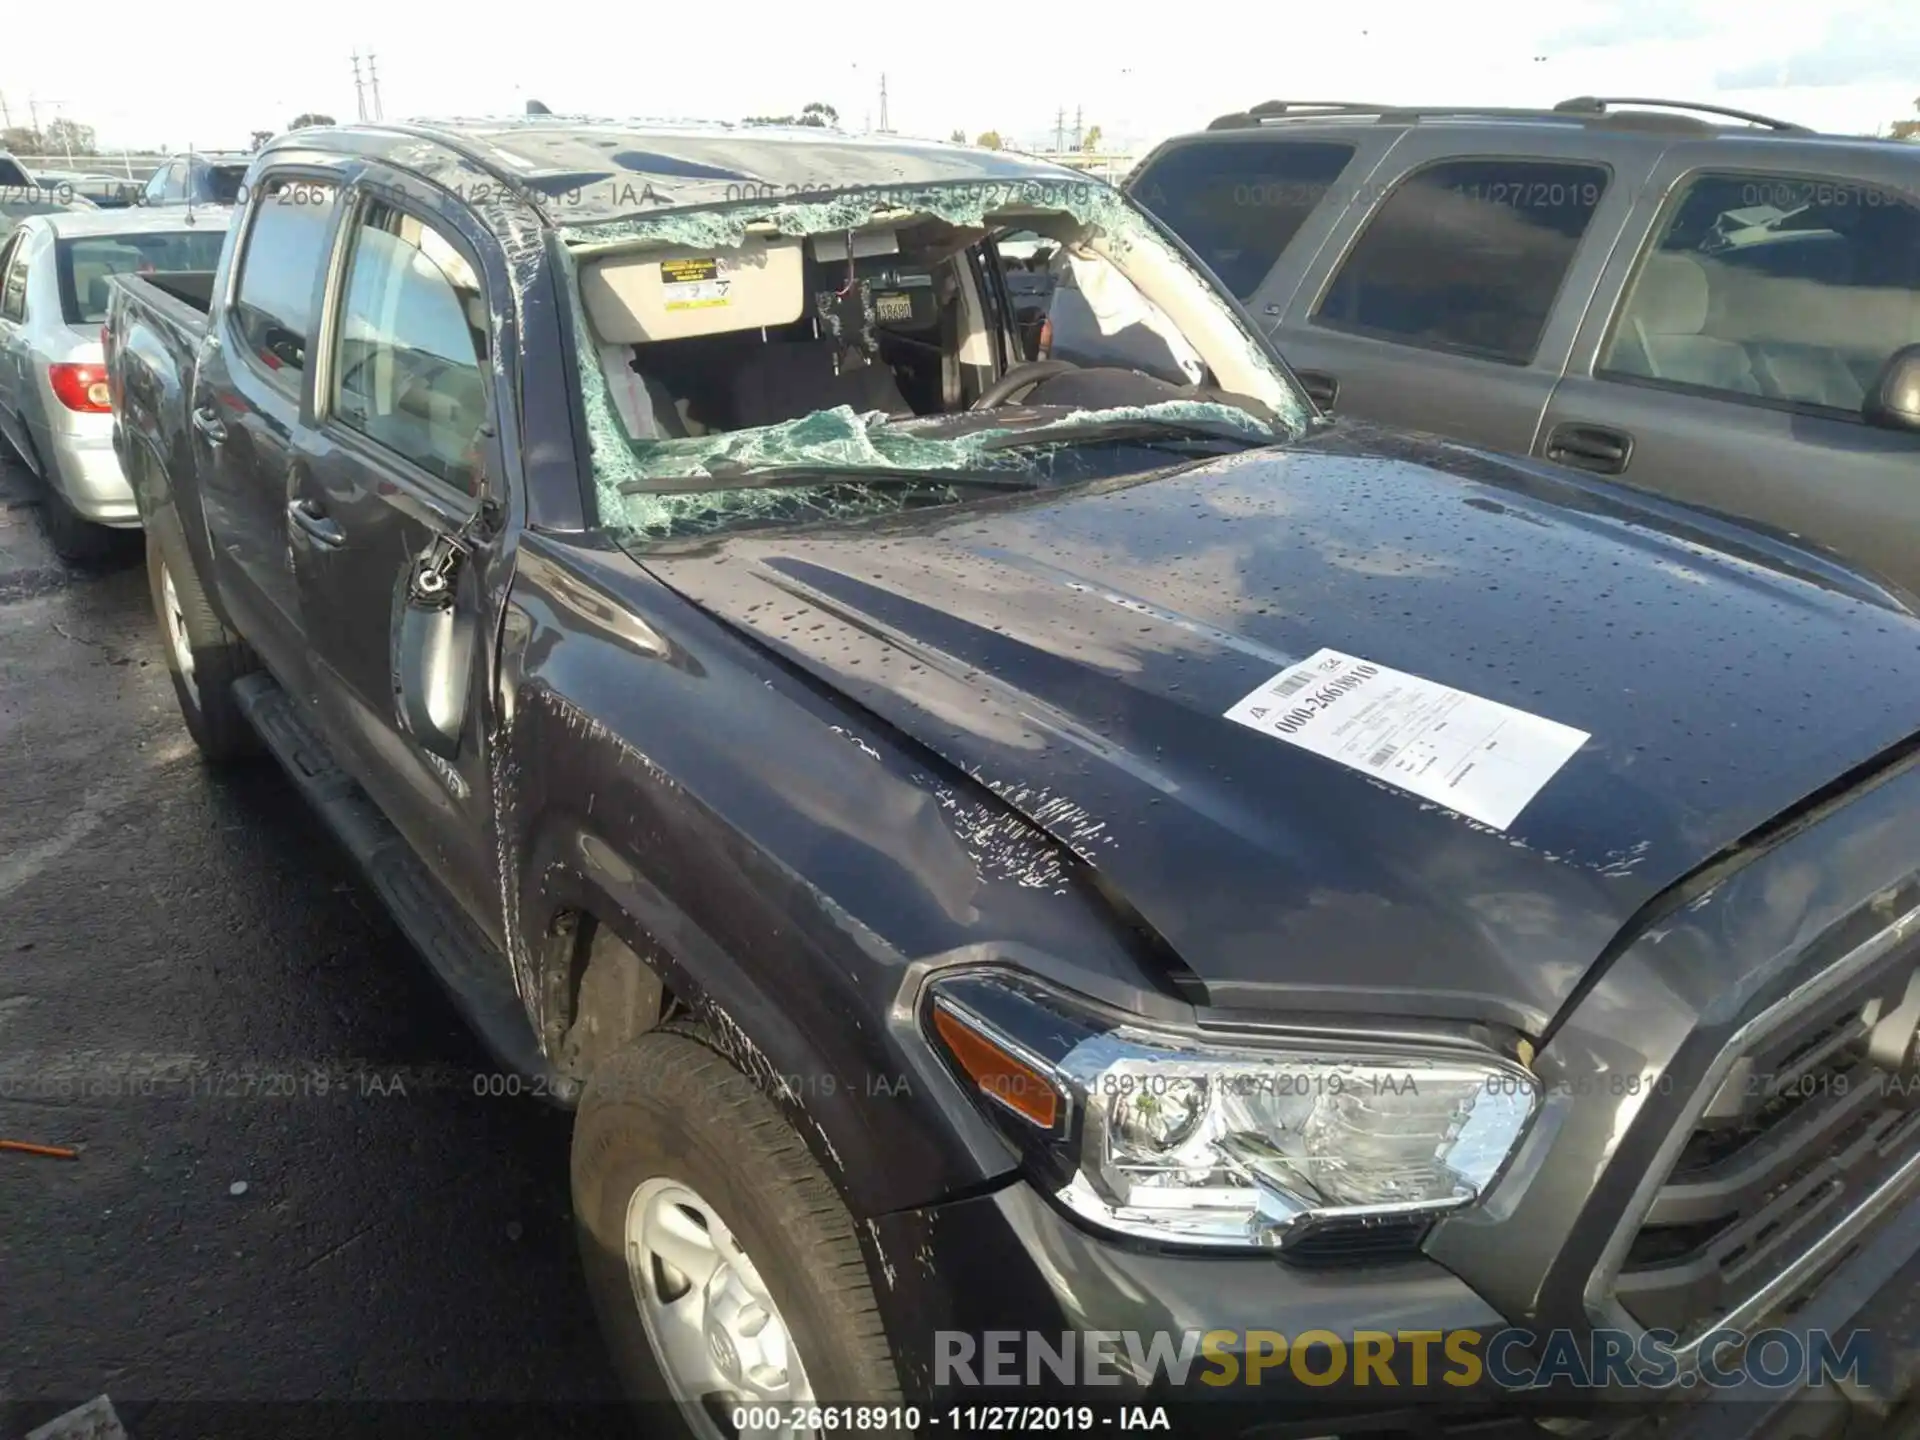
(1447, 297)
(396, 523)
(1764, 289)
(246, 410)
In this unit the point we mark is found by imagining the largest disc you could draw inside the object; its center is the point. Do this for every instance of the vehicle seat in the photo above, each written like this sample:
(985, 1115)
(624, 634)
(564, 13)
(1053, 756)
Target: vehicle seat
(787, 380)
(1660, 335)
(645, 407)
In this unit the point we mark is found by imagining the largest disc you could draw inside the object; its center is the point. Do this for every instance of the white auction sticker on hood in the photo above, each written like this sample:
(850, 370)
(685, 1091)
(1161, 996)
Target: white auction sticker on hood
(1479, 757)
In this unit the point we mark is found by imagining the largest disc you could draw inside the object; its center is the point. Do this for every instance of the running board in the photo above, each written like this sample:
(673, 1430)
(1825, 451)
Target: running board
(475, 974)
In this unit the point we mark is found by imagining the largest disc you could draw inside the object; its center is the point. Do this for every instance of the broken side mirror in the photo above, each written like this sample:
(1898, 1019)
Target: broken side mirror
(434, 648)
(1893, 402)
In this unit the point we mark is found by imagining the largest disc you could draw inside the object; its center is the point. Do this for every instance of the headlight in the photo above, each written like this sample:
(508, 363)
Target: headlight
(1192, 1140)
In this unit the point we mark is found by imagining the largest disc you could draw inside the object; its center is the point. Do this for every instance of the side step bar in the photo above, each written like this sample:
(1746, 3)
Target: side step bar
(476, 975)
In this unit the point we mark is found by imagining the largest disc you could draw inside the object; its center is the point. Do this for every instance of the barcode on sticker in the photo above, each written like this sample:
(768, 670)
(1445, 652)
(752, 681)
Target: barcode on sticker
(1383, 755)
(1293, 685)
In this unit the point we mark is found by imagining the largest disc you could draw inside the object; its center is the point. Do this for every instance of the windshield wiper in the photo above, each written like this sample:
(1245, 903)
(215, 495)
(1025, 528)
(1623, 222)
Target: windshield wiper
(1066, 432)
(779, 477)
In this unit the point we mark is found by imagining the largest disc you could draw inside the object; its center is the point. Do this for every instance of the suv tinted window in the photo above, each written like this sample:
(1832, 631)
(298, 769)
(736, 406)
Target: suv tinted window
(411, 368)
(1238, 204)
(286, 245)
(1779, 288)
(1467, 255)
(13, 174)
(220, 184)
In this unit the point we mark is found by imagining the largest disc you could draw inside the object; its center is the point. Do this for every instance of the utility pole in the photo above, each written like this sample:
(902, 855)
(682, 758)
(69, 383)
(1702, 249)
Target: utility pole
(6, 115)
(1078, 112)
(359, 95)
(33, 114)
(884, 128)
(373, 83)
(1060, 130)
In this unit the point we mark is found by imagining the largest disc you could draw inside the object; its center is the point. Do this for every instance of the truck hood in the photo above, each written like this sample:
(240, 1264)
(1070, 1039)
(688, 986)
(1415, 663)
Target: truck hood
(1076, 653)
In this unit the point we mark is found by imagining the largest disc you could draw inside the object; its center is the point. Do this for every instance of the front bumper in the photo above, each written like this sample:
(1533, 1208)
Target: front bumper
(967, 1286)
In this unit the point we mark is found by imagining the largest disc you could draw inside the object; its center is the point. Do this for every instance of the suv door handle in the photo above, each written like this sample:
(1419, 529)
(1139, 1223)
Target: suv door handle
(308, 515)
(1590, 447)
(206, 419)
(1323, 389)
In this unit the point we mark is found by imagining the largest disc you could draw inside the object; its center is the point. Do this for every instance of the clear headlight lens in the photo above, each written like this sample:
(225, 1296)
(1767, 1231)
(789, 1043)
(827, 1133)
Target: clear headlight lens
(1252, 1143)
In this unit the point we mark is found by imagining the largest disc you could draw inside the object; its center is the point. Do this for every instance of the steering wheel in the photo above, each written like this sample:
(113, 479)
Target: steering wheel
(1019, 379)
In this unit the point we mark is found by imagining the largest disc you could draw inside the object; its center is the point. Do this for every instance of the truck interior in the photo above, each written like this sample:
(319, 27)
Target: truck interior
(910, 319)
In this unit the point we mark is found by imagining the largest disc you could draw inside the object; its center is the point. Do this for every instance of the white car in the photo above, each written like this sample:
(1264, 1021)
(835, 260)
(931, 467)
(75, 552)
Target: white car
(55, 413)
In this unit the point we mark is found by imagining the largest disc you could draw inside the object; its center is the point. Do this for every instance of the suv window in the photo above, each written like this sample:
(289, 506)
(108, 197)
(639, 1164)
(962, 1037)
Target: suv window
(411, 364)
(1773, 287)
(1238, 204)
(219, 184)
(286, 245)
(1467, 255)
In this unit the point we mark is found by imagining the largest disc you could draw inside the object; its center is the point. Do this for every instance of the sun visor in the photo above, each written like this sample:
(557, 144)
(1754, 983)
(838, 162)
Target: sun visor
(669, 294)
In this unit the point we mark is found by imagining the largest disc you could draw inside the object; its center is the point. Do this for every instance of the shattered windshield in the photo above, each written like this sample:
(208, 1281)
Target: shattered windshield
(877, 350)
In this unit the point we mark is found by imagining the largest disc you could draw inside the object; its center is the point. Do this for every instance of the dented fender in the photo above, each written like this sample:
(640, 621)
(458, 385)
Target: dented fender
(788, 862)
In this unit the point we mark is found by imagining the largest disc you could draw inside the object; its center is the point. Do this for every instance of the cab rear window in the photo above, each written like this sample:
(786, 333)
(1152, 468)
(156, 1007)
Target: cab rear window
(1239, 202)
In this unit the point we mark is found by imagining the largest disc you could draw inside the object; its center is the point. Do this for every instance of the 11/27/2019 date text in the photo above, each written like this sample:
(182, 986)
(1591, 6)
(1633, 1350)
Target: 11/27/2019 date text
(750, 1420)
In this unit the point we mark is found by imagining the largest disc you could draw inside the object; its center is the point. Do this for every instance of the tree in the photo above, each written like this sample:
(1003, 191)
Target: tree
(989, 140)
(1907, 129)
(260, 137)
(958, 137)
(814, 112)
(301, 122)
(69, 137)
(1090, 142)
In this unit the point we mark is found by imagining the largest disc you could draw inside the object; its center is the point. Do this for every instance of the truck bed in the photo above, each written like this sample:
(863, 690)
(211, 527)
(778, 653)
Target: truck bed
(155, 326)
(181, 299)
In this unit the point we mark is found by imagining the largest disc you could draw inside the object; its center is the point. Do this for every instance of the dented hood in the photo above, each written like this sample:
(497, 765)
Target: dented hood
(1076, 654)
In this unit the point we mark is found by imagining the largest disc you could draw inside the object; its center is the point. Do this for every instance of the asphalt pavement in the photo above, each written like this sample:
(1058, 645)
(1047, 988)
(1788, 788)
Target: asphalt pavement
(291, 1186)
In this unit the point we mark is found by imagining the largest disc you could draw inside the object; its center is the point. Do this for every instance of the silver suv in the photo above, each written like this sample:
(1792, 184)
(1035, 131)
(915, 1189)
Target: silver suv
(1707, 303)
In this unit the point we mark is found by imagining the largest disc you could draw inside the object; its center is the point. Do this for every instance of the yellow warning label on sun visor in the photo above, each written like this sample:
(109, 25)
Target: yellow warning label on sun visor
(693, 283)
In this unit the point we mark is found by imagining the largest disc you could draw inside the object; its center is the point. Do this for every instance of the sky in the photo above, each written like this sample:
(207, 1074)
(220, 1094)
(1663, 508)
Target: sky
(1140, 74)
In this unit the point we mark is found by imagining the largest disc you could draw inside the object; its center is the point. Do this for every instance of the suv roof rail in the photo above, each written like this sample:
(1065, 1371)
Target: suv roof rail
(1599, 105)
(1591, 107)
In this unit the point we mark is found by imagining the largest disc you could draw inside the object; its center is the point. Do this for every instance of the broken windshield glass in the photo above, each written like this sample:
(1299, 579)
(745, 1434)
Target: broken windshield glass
(674, 311)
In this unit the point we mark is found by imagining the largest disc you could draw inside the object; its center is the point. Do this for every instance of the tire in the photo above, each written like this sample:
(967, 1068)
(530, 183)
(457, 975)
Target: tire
(204, 657)
(671, 1112)
(75, 540)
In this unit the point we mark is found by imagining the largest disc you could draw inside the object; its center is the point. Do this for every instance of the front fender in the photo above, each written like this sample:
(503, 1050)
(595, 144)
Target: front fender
(786, 861)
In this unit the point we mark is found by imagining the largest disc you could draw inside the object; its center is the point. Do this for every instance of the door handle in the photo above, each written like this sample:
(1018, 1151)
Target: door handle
(1323, 389)
(1590, 447)
(206, 419)
(308, 515)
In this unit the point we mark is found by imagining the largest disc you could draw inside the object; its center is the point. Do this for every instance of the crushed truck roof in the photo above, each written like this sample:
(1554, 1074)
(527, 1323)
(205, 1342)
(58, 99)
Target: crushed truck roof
(579, 171)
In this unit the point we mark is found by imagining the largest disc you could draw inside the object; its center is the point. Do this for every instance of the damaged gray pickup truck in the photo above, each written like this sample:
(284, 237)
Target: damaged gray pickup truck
(1048, 880)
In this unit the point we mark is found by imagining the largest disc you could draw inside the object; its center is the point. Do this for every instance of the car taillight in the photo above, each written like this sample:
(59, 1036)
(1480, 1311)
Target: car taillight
(81, 387)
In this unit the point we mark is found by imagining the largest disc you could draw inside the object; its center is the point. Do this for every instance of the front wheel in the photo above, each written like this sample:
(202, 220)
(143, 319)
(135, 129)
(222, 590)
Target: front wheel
(722, 1261)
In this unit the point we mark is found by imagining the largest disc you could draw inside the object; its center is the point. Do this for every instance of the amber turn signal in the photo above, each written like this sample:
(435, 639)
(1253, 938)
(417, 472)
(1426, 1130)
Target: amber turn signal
(998, 1072)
